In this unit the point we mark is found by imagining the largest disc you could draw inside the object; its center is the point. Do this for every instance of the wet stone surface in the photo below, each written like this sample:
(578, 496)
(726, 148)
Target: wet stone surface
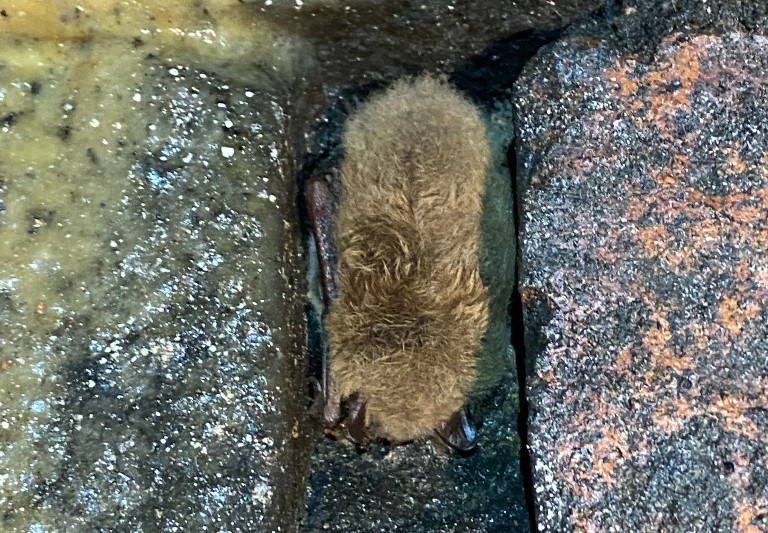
(423, 487)
(645, 284)
(150, 360)
(358, 41)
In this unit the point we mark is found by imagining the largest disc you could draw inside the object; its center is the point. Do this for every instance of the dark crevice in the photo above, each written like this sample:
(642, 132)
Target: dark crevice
(518, 342)
(488, 79)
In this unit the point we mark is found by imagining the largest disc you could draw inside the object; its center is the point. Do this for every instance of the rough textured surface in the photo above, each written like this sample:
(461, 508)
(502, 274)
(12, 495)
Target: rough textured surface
(151, 378)
(416, 487)
(637, 27)
(359, 40)
(645, 281)
(422, 489)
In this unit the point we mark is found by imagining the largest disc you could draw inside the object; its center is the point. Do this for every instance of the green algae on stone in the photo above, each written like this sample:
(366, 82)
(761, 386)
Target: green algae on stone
(149, 343)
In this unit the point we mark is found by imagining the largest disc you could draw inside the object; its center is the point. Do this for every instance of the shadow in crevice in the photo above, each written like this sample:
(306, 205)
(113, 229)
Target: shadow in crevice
(518, 343)
(488, 77)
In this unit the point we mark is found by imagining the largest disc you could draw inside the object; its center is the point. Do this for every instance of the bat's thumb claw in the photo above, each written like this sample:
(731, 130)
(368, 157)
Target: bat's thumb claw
(459, 431)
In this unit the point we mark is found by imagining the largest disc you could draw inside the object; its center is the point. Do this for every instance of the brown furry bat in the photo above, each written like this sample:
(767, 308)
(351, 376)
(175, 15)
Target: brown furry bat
(398, 233)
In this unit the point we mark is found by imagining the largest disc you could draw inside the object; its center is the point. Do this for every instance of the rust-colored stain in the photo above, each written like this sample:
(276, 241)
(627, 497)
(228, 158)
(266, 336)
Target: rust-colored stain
(666, 88)
(733, 314)
(647, 228)
(747, 514)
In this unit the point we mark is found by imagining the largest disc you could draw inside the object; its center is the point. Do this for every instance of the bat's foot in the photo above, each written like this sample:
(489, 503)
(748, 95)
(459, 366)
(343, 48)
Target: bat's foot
(341, 419)
(458, 431)
(326, 408)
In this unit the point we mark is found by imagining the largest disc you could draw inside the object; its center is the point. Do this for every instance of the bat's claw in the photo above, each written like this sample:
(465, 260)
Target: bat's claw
(355, 420)
(328, 411)
(459, 431)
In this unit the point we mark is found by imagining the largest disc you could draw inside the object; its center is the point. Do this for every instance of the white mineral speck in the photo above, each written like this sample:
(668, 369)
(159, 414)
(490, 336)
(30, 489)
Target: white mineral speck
(248, 94)
(173, 71)
(228, 123)
(94, 123)
(91, 384)
(137, 97)
(227, 151)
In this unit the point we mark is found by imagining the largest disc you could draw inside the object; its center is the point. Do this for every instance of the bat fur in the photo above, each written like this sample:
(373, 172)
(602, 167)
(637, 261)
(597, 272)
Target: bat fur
(412, 309)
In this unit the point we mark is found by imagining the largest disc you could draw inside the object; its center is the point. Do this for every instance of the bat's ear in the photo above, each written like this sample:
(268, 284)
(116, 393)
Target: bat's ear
(458, 431)
(356, 418)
